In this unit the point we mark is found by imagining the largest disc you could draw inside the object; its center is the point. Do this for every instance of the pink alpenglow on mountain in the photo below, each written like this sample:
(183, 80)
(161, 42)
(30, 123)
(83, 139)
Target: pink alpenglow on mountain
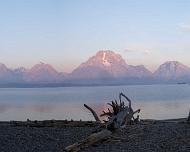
(42, 73)
(172, 70)
(104, 67)
(108, 64)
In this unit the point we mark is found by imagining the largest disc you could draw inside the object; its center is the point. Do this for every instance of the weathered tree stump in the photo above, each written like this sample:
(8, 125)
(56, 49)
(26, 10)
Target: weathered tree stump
(118, 117)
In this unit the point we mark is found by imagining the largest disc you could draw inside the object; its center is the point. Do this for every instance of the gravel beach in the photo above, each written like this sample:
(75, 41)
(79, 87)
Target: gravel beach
(157, 136)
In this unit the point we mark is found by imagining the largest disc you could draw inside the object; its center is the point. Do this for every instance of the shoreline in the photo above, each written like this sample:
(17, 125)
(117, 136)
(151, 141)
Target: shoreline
(80, 123)
(72, 123)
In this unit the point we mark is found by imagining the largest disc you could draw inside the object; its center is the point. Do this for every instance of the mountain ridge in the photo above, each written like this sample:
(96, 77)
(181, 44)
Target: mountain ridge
(105, 67)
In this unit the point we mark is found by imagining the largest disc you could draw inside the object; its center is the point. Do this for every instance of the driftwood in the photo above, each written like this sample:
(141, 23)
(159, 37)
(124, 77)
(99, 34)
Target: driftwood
(90, 140)
(53, 123)
(120, 115)
(93, 112)
(188, 119)
(117, 117)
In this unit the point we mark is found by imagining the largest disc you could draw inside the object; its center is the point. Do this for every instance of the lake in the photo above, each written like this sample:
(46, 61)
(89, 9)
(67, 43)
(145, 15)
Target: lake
(155, 101)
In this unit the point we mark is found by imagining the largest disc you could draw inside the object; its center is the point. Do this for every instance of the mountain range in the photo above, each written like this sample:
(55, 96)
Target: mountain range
(104, 68)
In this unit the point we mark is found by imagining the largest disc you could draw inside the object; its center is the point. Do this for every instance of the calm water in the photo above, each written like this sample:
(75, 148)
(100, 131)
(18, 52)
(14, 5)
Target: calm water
(155, 101)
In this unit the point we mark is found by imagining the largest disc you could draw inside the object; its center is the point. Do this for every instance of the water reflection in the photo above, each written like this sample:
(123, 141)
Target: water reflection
(3, 108)
(155, 102)
(149, 110)
(41, 108)
(161, 110)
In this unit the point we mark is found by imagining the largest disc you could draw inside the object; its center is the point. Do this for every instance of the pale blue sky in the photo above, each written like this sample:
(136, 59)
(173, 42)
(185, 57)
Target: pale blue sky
(65, 33)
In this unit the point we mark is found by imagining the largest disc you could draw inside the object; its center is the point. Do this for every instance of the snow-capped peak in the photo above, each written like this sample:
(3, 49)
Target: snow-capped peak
(105, 58)
(105, 61)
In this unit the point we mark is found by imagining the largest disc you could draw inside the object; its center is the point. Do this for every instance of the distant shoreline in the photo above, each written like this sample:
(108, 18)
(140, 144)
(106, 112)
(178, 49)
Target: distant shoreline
(62, 85)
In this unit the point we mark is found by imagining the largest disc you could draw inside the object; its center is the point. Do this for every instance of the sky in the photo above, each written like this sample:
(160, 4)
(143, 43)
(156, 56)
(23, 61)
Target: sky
(65, 33)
